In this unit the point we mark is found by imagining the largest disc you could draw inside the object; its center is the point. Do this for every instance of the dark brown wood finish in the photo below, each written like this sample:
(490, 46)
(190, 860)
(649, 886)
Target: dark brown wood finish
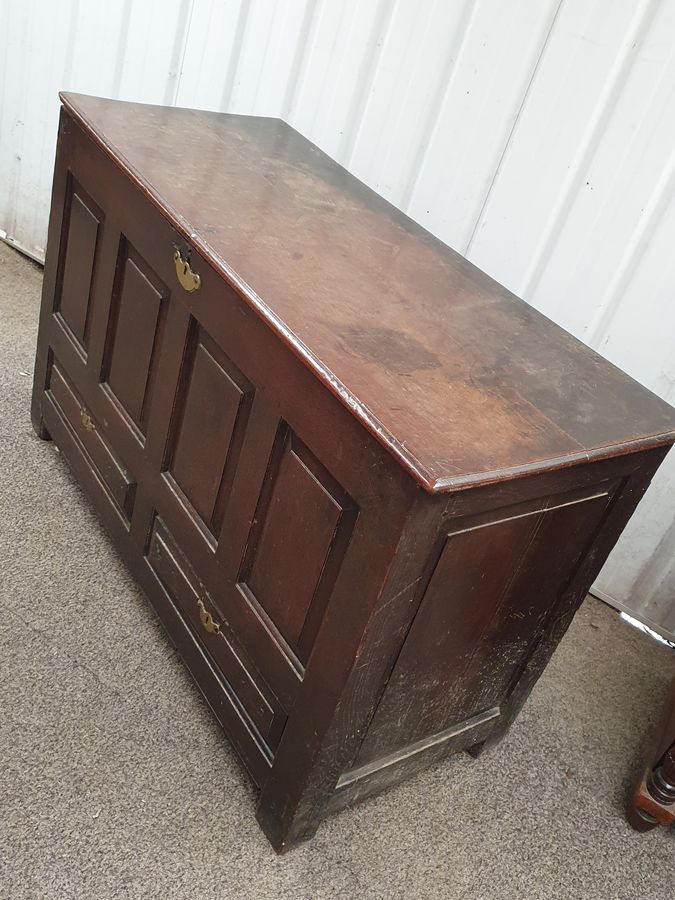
(363, 485)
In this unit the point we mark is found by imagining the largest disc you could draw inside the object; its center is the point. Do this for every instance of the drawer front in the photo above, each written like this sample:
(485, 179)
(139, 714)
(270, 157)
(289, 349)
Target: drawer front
(118, 482)
(187, 592)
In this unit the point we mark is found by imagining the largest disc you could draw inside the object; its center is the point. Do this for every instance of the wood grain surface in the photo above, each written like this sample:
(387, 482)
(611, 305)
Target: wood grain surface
(461, 380)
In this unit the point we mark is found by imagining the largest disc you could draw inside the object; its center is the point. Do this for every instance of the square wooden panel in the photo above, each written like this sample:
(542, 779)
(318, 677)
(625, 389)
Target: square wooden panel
(135, 326)
(80, 240)
(299, 536)
(490, 588)
(209, 422)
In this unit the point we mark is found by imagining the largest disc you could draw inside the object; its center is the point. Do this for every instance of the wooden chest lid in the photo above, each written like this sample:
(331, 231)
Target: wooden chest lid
(462, 381)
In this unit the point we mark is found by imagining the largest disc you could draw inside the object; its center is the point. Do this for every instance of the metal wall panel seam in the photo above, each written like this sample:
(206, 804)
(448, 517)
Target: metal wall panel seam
(444, 82)
(71, 42)
(307, 29)
(18, 82)
(588, 145)
(50, 141)
(644, 618)
(369, 64)
(597, 330)
(507, 143)
(264, 55)
(122, 41)
(654, 571)
(180, 43)
(228, 88)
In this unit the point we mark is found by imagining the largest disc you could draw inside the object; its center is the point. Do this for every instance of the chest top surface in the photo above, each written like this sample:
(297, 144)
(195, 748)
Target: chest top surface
(461, 380)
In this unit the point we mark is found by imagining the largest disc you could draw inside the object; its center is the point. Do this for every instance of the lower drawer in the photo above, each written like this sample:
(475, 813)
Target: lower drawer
(118, 483)
(242, 681)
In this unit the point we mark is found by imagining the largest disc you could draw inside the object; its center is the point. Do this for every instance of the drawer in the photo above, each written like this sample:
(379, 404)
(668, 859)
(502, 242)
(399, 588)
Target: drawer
(250, 693)
(119, 484)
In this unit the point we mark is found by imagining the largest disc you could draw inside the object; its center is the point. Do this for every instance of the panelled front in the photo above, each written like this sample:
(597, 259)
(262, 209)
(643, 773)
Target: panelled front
(136, 318)
(209, 423)
(490, 585)
(80, 241)
(351, 608)
(186, 430)
(303, 513)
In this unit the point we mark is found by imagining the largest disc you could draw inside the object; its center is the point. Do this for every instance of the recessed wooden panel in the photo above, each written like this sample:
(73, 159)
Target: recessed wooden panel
(212, 410)
(301, 529)
(83, 223)
(136, 323)
(479, 619)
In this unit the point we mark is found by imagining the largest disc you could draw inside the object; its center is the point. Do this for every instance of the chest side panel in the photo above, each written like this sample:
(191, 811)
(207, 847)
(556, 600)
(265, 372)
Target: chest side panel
(492, 584)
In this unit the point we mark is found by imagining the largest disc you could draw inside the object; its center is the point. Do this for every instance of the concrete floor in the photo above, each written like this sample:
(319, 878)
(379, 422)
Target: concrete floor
(116, 782)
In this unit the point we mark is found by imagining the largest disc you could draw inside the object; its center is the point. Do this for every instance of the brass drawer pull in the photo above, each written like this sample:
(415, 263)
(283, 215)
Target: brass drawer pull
(188, 279)
(87, 422)
(206, 619)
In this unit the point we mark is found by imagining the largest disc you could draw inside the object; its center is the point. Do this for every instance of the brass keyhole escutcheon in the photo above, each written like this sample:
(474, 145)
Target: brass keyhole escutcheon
(188, 279)
(86, 420)
(206, 619)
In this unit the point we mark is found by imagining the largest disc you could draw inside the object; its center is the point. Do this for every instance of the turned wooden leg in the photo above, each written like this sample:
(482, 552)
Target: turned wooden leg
(639, 820)
(653, 801)
(661, 781)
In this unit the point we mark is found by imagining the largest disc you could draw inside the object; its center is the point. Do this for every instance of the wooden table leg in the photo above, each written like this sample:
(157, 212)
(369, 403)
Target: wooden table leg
(653, 799)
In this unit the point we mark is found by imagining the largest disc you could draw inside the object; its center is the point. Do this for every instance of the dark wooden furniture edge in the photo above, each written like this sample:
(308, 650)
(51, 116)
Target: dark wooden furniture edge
(314, 768)
(421, 474)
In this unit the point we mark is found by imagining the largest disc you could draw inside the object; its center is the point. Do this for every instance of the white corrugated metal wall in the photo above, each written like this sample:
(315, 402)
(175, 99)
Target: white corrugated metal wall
(537, 137)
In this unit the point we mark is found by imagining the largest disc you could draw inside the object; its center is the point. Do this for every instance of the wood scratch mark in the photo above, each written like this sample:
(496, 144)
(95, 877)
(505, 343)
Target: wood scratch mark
(402, 591)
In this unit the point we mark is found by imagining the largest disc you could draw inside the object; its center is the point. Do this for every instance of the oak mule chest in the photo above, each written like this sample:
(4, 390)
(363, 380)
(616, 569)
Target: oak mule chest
(364, 486)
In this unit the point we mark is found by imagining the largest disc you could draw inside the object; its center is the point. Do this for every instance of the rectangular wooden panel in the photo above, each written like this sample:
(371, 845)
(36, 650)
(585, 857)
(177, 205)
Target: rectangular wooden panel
(199, 609)
(82, 225)
(538, 578)
(117, 480)
(137, 315)
(483, 608)
(210, 421)
(303, 514)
